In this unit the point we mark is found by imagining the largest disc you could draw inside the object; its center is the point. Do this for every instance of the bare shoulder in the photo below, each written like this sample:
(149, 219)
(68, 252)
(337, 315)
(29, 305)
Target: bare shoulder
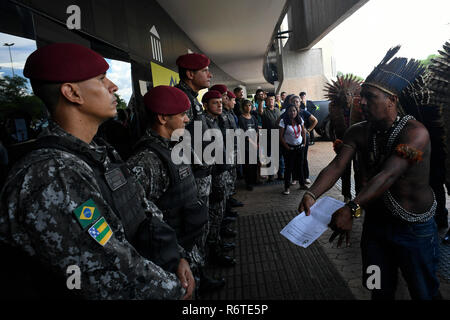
(355, 135)
(416, 134)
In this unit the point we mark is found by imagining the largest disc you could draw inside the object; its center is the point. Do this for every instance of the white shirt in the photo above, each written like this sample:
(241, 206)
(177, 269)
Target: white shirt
(289, 134)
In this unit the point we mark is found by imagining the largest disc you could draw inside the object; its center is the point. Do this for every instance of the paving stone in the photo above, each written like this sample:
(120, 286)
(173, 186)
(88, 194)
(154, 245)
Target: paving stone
(283, 270)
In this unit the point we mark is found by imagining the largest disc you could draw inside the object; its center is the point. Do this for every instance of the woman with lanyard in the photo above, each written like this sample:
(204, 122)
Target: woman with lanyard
(292, 138)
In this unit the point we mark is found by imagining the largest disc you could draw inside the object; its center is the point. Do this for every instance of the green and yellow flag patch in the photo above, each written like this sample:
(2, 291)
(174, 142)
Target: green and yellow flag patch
(101, 231)
(87, 213)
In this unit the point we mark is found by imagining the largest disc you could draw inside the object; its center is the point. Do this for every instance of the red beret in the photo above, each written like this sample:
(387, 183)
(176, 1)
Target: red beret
(211, 94)
(219, 87)
(231, 95)
(64, 62)
(166, 100)
(193, 61)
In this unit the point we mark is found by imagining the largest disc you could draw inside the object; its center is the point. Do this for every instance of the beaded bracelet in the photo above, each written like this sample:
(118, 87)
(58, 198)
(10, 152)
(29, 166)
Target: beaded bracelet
(312, 195)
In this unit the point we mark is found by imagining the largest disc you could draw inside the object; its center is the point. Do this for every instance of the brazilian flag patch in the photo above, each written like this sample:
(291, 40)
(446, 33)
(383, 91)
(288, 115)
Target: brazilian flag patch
(87, 213)
(100, 231)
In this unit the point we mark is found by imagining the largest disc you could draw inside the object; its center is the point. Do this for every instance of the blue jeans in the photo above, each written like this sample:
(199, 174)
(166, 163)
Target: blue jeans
(412, 248)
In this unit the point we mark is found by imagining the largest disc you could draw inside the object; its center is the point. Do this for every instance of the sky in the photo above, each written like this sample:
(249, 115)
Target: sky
(359, 43)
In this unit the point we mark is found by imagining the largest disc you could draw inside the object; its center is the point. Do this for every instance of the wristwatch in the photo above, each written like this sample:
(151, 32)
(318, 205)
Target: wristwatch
(355, 208)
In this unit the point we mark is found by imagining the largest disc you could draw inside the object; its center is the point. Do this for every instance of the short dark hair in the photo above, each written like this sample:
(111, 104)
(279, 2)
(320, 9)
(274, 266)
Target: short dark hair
(282, 93)
(48, 92)
(150, 117)
(237, 89)
(245, 102)
(270, 94)
(303, 93)
(259, 90)
(182, 73)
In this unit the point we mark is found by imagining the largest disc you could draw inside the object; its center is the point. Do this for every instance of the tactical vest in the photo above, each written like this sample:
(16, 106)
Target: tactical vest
(217, 168)
(200, 170)
(182, 209)
(196, 106)
(152, 238)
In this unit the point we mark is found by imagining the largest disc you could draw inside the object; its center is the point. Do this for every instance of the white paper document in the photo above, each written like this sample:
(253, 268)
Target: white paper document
(304, 230)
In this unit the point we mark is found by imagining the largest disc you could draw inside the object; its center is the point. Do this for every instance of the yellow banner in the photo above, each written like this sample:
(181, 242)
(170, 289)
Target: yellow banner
(167, 77)
(163, 76)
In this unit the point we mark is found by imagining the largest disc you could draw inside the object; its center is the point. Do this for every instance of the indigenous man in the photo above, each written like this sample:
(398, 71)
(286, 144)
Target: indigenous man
(344, 107)
(71, 203)
(399, 231)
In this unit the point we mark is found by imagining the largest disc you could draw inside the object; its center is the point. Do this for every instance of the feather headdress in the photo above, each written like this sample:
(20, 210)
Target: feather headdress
(393, 75)
(339, 109)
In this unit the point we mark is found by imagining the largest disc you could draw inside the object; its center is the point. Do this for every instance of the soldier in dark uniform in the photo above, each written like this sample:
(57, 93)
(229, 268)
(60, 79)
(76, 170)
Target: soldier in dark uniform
(193, 69)
(194, 76)
(227, 121)
(71, 202)
(172, 186)
(212, 101)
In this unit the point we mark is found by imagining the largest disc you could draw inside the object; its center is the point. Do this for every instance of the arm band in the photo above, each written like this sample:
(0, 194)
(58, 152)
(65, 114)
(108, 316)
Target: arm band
(409, 153)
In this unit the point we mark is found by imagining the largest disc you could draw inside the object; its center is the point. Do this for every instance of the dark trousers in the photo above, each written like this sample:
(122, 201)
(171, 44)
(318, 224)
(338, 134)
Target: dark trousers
(293, 164)
(305, 167)
(412, 248)
(250, 173)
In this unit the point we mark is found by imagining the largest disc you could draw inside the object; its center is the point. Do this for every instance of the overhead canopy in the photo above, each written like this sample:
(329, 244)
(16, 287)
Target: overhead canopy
(235, 34)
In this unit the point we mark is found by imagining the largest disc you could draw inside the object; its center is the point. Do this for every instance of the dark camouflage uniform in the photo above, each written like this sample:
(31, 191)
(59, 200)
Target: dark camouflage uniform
(196, 113)
(196, 109)
(227, 121)
(217, 199)
(153, 174)
(41, 193)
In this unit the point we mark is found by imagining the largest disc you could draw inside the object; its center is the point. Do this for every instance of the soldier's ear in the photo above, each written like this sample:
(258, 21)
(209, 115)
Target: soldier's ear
(161, 119)
(71, 92)
(190, 74)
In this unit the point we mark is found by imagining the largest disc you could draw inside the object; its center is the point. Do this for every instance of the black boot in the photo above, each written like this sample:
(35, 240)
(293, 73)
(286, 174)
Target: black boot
(228, 232)
(235, 203)
(218, 257)
(228, 220)
(231, 213)
(228, 246)
(208, 284)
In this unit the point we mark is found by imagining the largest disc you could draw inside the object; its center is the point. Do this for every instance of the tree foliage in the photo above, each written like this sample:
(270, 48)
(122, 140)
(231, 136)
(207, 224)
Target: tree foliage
(426, 62)
(121, 104)
(16, 100)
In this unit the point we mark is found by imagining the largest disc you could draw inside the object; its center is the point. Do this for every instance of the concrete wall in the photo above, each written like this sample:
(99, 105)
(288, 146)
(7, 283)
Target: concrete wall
(311, 20)
(307, 71)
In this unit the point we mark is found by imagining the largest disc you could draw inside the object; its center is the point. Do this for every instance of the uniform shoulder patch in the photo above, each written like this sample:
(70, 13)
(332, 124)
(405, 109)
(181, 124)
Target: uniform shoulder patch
(100, 231)
(87, 214)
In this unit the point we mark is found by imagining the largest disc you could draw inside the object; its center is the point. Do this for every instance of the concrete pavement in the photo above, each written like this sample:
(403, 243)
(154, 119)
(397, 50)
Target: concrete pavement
(265, 213)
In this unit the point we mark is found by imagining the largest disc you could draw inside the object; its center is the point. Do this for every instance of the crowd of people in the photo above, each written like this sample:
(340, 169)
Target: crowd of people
(270, 112)
(144, 226)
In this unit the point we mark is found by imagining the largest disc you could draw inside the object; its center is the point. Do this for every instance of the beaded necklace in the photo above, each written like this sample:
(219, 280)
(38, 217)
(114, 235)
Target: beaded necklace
(376, 154)
(392, 205)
